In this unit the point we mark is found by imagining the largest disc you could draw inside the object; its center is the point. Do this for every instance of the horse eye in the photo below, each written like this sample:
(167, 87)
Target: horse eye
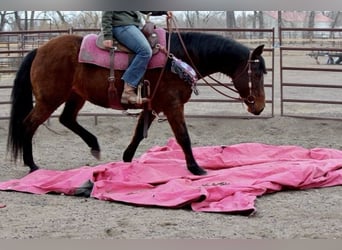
(250, 99)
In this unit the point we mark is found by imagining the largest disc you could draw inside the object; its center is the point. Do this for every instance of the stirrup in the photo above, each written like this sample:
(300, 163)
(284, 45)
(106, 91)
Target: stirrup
(138, 99)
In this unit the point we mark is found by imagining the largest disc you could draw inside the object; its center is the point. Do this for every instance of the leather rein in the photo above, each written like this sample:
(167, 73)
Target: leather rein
(249, 99)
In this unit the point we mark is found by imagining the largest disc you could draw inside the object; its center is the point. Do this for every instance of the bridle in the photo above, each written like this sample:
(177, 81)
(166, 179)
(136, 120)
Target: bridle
(250, 99)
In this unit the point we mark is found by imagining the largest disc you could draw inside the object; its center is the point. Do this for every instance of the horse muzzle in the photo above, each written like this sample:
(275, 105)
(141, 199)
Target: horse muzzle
(255, 105)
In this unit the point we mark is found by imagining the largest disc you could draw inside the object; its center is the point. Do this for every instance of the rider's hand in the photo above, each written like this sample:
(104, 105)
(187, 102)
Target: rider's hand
(107, 43)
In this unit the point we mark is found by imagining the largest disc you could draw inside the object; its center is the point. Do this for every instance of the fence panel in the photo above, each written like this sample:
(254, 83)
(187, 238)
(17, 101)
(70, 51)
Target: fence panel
(310, 73)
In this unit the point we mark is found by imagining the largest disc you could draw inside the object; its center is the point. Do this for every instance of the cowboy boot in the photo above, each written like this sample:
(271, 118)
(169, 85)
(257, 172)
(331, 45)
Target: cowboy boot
(130, 97)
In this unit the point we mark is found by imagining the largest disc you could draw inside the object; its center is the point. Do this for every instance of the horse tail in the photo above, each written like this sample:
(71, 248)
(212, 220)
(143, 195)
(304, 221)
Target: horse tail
(22, 104)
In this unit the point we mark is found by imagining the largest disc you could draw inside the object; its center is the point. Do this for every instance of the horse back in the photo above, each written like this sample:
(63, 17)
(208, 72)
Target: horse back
(63, 47)
(55, 64)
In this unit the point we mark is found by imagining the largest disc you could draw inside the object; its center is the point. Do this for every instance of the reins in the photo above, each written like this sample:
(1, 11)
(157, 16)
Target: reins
(200, 75)
(167, 52)
(170, 21)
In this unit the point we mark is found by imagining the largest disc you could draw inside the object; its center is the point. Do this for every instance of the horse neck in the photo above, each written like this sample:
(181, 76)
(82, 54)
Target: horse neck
(209, 53)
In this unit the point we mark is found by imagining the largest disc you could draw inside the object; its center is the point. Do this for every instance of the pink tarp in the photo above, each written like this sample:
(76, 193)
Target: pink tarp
(237, 175)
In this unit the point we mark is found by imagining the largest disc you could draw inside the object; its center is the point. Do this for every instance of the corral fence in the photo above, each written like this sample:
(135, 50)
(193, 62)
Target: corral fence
(208, 104)
(312, 89)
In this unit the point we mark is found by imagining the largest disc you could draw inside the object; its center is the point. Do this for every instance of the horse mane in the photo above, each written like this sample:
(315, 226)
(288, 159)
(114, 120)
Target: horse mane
(210, 52)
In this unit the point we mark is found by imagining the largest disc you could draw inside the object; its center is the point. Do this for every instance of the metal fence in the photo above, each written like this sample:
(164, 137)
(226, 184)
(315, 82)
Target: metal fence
(14, 45)
(310, 73)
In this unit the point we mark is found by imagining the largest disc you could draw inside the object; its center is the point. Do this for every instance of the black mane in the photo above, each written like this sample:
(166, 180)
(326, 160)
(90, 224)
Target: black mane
(210, 52)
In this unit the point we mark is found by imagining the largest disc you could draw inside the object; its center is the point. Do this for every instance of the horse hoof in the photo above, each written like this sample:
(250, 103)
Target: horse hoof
(32, 169)
(198, 171)
(96, 153)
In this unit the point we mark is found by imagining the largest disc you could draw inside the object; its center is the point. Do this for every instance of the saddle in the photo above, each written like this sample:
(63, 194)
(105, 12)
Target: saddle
(152, 37)
(148, 30)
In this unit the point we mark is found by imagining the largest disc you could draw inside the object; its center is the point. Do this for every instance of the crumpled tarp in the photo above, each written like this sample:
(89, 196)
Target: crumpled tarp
(237, 175)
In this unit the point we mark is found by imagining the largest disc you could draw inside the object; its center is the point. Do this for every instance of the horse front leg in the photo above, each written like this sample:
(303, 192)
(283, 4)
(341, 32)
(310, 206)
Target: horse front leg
(139, 134)
(175, 116)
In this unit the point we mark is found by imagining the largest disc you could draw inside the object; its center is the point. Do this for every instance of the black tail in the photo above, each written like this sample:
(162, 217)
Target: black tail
(22, 104)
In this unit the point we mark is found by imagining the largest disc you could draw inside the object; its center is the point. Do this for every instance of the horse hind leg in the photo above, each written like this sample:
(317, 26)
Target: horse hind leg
(38, 115)
(68, 119)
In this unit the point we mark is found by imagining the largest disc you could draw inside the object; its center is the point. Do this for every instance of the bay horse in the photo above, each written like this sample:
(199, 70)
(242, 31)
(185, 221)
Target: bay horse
(53, 74)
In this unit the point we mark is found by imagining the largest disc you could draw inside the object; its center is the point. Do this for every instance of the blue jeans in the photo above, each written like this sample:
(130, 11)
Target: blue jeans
(134, 39)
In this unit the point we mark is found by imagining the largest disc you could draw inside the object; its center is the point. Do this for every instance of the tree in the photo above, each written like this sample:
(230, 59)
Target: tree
(17, 20)
(336, 19)
(335, 22)
(4, 19)
(62, 19)
(258, 21)
(189, 19)
(280, 23)
(230, 19)
(203, 19)
(280, 19)
(261, 23)
(311, 24)
(89, 19)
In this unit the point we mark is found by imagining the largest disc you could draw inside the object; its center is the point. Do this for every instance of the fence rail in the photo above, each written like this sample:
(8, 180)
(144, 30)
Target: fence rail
(307, 89)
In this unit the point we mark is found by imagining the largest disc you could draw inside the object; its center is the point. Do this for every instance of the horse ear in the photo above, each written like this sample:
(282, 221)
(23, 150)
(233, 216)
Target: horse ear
(258, 51)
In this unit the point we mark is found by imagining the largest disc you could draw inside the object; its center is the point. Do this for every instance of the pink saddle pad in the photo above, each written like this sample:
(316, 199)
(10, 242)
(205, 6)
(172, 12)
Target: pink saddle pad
(90, 53)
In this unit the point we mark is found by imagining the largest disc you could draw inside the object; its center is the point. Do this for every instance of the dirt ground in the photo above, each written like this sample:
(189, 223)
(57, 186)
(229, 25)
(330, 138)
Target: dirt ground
(315, 213)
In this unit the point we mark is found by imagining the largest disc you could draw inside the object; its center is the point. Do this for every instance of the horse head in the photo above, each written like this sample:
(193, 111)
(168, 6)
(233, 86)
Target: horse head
(249, 81)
